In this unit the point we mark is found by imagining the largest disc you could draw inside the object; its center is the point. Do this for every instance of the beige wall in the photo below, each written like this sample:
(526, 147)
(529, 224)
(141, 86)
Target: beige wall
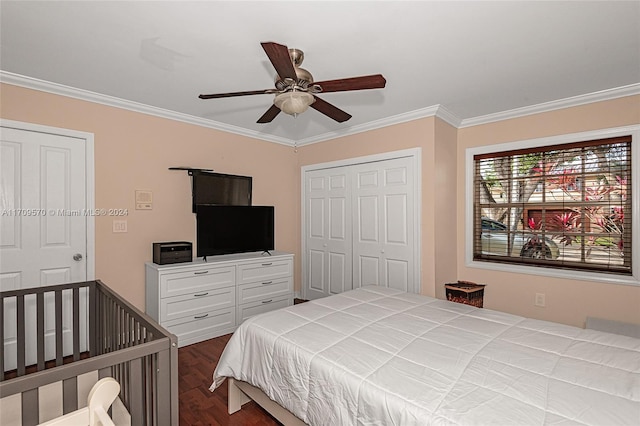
(567, 301)
(134, 151)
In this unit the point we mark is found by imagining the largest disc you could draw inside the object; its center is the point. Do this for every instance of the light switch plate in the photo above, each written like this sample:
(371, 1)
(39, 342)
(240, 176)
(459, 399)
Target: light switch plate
(119, 226)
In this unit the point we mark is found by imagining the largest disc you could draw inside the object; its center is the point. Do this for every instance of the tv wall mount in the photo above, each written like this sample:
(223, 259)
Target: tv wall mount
(191, 170)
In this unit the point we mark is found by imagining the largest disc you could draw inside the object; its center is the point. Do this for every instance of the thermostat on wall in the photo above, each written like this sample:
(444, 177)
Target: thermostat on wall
(144, 200)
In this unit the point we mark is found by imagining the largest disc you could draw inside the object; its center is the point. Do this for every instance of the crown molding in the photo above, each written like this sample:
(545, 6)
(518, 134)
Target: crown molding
(447, 116)
(86, 95)
(431, 111)
(603, 95)
(438, 111)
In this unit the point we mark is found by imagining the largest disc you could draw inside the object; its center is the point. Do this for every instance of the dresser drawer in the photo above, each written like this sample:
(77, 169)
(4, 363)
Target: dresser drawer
(194, 304)
(265, 270)
(207, 325)
(250, 309)
(196, 280)
(263, 290)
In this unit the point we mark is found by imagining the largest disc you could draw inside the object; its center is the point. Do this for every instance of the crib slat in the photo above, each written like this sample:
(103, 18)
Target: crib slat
(135, 382)
(104, 372)
(93, 332)
(30, 416)
(40, 330)
(119, 328)
(76, 324)
(70, 395)
(2, 299)
(163, 385)
(21, 320)
(150, 401)
(59, 330)
(110, 332)
(129, 328)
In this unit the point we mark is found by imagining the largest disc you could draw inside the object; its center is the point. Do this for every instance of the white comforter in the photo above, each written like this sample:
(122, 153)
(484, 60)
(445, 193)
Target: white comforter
(377, 356)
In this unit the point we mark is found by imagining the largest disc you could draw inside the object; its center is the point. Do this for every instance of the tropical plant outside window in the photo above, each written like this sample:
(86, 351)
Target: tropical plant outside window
(563, 206)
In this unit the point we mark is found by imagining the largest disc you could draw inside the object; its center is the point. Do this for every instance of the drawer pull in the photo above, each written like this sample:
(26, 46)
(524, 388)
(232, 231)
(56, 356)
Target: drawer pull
(267, 264)
(201, 273)
(267, 282)
(201, 316)
(201, 294)
(267, 301)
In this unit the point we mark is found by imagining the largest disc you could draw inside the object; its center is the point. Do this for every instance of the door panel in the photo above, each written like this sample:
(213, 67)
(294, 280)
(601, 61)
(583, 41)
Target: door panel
(398, 274)
(396, 219)
(316, 282)
(337, 273)
(43, 201)
(337, 225)
(368, 225)
(369, 269)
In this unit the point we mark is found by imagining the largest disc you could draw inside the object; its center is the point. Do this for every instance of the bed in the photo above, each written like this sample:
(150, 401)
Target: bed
(51, 369)
(378, 356)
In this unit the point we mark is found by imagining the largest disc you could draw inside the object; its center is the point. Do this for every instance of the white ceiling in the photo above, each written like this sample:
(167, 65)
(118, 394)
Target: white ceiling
(463, 59)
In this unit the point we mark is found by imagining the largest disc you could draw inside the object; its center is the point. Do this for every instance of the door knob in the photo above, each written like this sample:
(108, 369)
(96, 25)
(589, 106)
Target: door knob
(77, 257)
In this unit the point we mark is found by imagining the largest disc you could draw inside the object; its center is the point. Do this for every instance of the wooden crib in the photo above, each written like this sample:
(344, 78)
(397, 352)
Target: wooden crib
(121, 342)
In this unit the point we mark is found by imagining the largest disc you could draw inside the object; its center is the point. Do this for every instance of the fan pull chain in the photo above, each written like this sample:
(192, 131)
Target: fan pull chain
(295, 141)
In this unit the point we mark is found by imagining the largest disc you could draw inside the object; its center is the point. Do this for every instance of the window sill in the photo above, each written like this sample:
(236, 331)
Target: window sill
(556, 273)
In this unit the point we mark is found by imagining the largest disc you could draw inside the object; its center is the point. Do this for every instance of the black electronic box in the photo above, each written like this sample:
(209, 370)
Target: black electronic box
(172, 252)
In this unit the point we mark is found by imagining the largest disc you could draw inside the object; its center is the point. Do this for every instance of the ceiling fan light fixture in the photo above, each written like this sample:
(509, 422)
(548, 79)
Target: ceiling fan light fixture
(294, 102)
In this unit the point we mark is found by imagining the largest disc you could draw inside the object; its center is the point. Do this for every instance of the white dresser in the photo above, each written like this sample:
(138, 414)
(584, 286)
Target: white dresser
(201, 300)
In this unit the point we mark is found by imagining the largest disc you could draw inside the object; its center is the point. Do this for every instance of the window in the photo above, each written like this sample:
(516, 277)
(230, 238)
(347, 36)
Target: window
(565, 206)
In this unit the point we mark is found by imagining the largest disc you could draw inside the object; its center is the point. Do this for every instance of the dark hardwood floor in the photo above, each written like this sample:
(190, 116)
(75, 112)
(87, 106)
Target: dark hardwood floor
(198, 405)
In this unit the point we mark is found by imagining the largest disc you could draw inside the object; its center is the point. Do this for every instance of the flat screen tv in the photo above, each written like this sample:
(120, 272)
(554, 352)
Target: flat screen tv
(219, 188)
(234, 229)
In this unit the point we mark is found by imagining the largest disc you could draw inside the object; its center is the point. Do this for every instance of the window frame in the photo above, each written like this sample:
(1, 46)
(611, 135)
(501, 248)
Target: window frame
(633, 279)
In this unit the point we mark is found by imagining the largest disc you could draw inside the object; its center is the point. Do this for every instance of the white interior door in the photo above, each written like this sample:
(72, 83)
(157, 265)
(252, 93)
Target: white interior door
(43, 224)
(384, 234)
(328, 232)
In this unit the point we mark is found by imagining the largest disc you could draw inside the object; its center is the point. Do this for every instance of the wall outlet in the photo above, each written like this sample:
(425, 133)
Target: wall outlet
(540, 300)
(119, 226)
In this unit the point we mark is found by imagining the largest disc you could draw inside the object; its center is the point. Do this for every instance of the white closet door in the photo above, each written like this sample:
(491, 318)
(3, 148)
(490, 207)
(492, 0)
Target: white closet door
(328, 232)
(383, 215)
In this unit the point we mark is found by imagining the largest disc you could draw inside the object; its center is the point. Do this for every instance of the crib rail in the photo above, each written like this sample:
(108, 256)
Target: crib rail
(123, 343)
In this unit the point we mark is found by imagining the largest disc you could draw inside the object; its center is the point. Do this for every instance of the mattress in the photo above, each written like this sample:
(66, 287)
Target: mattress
(378, 356)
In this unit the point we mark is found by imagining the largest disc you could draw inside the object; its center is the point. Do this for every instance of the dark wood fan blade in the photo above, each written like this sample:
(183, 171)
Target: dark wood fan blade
(330, 110)
(376, 81)
(279, 56)
(268, 116)
(232, 94)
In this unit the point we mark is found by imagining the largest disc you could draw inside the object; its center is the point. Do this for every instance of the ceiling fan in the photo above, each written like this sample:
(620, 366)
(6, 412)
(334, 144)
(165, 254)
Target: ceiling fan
(295, 89)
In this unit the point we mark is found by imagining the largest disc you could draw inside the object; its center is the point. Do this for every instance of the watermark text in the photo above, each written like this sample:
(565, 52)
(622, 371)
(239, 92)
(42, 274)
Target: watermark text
(63, 212)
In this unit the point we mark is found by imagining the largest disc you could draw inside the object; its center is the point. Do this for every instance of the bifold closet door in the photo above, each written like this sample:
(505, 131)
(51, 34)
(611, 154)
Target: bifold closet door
(383, 224)
(328, 232)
